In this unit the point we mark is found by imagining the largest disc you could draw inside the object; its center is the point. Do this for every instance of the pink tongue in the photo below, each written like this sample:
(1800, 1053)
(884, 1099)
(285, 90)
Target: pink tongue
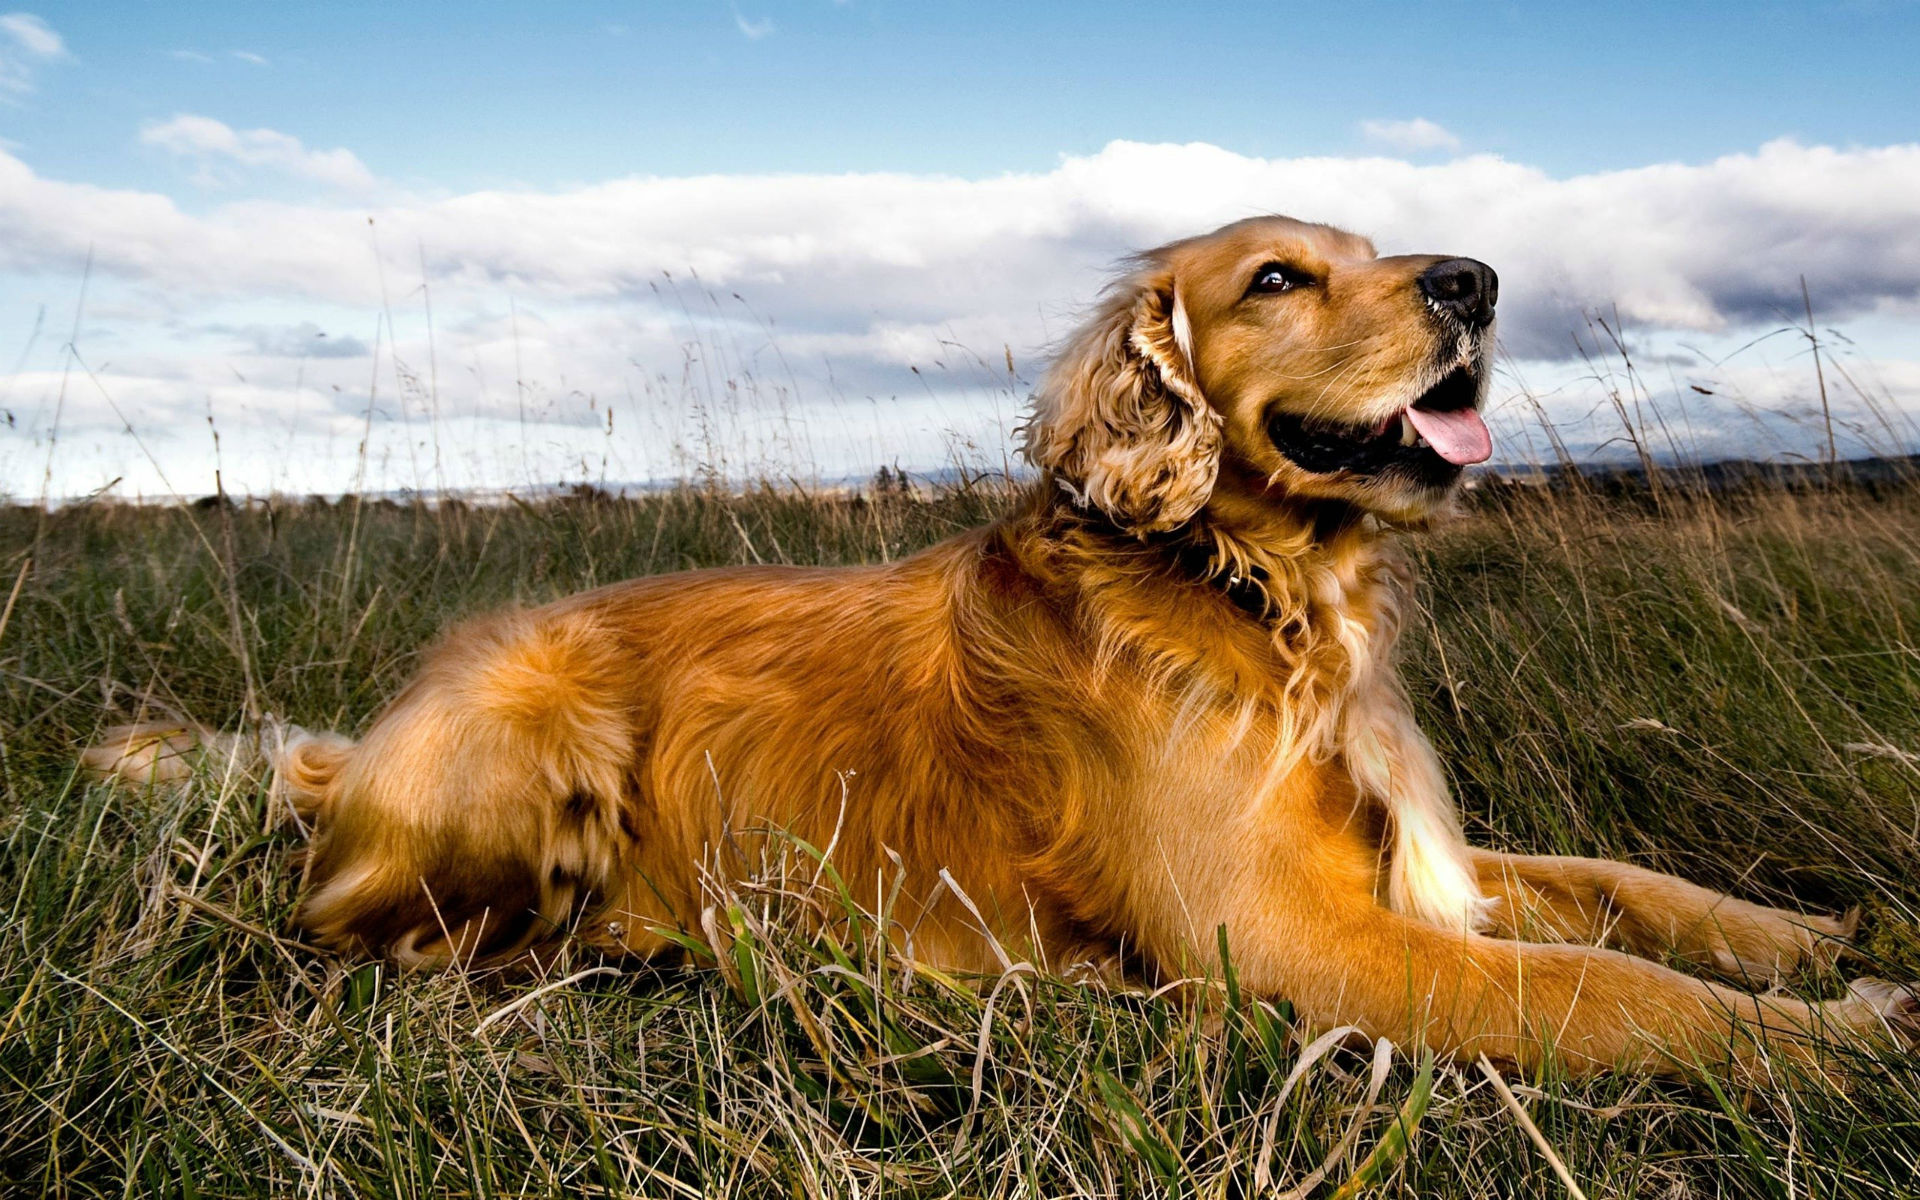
(1459, 436)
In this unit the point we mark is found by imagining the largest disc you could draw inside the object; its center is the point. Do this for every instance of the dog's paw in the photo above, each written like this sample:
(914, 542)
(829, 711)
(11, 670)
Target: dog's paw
(1837, 936)
(1896, 1006)
(1759, 945)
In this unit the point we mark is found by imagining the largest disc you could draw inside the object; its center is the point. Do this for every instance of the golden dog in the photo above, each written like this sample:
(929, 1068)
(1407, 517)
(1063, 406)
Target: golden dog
(1157, 699)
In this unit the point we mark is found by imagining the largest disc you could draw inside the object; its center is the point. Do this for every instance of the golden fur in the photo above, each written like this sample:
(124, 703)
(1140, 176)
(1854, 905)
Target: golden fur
(1156, 699)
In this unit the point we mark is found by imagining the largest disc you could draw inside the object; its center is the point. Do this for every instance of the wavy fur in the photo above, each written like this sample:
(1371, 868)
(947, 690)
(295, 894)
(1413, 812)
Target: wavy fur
(1156, 699)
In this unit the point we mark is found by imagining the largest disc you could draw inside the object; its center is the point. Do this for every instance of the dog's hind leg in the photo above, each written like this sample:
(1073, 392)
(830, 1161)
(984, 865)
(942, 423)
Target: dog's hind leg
(482, 810)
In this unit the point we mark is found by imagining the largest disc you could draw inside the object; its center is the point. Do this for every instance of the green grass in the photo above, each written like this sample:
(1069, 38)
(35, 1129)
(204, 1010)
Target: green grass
(1727, 689)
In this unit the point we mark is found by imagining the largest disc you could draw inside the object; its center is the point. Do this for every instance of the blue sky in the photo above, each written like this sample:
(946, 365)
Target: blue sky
(467, 95)
(889, 189)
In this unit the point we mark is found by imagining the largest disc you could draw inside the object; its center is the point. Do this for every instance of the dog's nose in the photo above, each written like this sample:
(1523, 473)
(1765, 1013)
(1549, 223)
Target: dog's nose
(1464, 287)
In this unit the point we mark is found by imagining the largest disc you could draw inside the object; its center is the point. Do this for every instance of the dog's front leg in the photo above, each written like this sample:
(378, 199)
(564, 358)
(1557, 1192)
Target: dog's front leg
(1303, 934)
(1645, 912)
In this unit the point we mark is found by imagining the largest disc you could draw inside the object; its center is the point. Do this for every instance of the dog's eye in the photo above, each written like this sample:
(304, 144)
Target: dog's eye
(1278, 277)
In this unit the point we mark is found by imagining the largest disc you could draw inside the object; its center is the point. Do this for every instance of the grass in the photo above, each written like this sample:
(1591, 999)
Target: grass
(1728, 688)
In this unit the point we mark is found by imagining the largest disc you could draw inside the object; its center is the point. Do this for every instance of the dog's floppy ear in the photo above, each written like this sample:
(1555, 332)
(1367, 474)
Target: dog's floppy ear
(1118, 420)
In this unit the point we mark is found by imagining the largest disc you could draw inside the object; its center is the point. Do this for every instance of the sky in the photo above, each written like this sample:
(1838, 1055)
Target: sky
(435, 245)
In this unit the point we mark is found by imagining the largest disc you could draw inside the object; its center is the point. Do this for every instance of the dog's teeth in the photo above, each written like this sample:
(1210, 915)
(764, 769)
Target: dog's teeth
(1407, 435)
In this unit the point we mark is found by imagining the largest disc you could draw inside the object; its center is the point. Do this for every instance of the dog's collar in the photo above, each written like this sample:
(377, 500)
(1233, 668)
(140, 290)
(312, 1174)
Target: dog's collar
(1245, 590)
(1192, 560)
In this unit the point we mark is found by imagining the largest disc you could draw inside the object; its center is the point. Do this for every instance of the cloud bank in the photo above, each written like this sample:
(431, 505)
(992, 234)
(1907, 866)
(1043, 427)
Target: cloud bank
(1687, 247)
(849, 284)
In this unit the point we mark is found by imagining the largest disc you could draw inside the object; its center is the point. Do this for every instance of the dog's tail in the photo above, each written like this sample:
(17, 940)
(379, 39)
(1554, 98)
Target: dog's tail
(165, 753)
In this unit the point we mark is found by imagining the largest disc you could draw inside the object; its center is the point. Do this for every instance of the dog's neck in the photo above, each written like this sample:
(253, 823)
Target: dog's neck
(1275, 545)
(1320, 596)
(1257, 554)
(1309, 597)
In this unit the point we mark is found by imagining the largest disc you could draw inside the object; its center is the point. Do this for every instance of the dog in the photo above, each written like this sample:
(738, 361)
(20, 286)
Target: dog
(1155, 700)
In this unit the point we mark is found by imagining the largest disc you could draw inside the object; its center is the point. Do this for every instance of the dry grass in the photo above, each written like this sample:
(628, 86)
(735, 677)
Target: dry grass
(1725, 688)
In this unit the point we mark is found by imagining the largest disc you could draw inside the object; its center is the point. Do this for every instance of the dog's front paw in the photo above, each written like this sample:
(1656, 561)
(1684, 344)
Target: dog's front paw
(1760, 945)
(1897, 1007)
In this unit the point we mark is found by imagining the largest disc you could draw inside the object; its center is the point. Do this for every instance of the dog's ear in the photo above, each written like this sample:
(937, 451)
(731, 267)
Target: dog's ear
(1118, 419)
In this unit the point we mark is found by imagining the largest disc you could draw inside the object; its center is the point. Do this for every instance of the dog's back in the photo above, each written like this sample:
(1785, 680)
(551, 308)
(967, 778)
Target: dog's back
(580, 766)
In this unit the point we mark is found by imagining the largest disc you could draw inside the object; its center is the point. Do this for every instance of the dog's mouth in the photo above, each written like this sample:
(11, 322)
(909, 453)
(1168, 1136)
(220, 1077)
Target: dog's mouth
(1431, 439)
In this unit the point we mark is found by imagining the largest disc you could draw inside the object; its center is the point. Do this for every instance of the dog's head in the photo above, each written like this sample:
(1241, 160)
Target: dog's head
(1271, 361)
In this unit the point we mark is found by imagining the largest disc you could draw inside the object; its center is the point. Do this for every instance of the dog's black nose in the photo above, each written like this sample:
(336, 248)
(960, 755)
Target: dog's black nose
(1465, 287)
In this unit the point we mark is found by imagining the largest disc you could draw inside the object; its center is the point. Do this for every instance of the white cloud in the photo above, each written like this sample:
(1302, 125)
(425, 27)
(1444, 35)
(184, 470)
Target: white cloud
(824, 289)
(1417, 134)
(216, 146)
(192, 56)
(248, 56)
(26, 43)
(33, 35)
(1677, 246)
(754, 30)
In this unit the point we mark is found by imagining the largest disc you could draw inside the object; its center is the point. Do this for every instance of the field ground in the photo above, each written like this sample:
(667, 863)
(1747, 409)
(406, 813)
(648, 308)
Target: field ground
(1728, 689)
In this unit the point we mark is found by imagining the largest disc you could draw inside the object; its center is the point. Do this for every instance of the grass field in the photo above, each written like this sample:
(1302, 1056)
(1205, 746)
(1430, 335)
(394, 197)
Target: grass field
(1726, 688)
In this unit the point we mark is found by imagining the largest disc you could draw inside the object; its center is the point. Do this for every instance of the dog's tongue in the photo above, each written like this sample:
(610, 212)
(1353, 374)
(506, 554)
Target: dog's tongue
(1459, 436)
